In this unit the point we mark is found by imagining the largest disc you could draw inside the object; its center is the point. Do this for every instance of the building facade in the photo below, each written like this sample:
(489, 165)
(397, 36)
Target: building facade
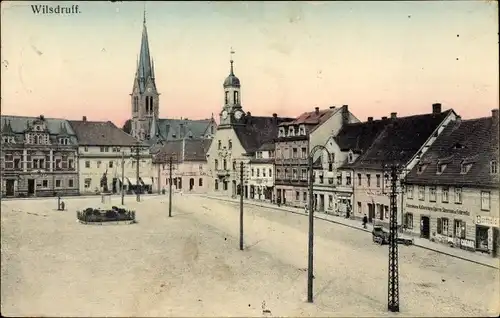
(106, 150)
(452, 193)
(261, 176)
(238, 136)
(189, 165)
(401, 142)
(39, 157)
(295, 140)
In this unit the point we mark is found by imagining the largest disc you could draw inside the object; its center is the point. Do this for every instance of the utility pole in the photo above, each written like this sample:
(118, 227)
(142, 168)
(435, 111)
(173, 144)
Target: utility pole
(241, 206)
(123, 178)
(393, 281)
(310, 258)
(170, 186)
(137, 158)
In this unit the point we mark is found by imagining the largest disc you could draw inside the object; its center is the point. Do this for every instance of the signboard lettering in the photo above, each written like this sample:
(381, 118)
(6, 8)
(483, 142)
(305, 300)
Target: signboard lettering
(487, 220)
(438, 209)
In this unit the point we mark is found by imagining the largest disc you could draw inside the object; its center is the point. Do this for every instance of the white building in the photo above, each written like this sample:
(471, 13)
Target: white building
(452, 193)
(261, 176)
(236, 140)
(104, 149)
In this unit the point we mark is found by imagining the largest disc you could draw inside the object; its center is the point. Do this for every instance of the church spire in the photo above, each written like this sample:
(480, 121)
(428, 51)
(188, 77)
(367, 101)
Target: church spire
(144, 66)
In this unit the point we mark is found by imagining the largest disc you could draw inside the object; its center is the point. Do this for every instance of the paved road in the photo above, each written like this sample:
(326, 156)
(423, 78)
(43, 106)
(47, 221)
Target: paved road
(190, 265)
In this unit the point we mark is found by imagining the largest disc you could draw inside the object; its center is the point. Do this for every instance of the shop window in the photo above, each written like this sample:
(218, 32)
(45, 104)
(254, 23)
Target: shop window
(482, 238)
(297, 195)
(485, 200)
(458, 195)
(442, 226)
(409, 220)
(459, 229)
(432, 194)
(386, 211)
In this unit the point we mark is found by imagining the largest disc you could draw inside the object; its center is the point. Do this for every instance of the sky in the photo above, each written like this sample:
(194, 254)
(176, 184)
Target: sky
(376, 57)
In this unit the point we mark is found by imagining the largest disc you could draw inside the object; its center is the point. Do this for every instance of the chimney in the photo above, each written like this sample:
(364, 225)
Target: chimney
(436, 108)
(345, 114)
(249, 114)
(84, 118)
(394, 115)
(316, 110)
(42, 117)
(494, 114)
(275, 115)
(384, 117)
(370, 119)
(332, 107)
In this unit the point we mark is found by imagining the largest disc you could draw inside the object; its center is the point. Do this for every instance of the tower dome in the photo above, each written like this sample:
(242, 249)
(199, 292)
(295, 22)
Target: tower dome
(231, 80)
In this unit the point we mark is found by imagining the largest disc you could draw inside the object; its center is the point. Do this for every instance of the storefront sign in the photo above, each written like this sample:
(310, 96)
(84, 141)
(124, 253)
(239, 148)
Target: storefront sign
(438, 209)
(466, 244)
(487, 221)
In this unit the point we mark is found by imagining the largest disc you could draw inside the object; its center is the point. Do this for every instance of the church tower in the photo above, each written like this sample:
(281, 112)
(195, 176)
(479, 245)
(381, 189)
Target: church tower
(232, 112)
(144, 97)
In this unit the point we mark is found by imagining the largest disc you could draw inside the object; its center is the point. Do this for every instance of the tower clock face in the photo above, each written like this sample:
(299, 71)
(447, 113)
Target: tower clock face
(238, 114)
(149, 89)
(224, 114)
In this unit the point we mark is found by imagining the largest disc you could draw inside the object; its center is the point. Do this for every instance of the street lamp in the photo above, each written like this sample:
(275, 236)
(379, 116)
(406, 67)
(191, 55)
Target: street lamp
(310, 263)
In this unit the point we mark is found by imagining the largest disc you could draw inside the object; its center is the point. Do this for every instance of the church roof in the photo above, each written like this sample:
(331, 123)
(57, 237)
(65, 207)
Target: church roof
(231, 80)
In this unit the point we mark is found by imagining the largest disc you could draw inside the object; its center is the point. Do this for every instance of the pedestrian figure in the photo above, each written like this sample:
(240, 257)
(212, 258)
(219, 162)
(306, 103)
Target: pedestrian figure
(365, 220)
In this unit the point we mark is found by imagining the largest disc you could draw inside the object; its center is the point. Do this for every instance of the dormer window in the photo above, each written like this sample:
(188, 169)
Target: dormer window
(281, 132)
(9, 140)
(494, 167)
(302, 130)
(421, 168)
(291, 131)
(350, 157)
(465, 167)
(441, 167)
(63, 141)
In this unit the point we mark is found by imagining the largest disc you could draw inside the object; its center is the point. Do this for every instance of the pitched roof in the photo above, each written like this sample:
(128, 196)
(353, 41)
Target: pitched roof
(17, 125)
(472, 141)
(358, 137)
(101, 133)
(312, 118)
(268, 146)
(257, 131)
(400, 140)
(183, 150)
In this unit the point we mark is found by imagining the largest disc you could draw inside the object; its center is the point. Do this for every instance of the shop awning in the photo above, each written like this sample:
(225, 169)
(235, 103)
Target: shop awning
(147, 181)
(132, 181)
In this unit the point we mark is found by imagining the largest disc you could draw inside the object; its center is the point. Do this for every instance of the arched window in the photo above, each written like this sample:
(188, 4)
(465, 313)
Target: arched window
(236, 97)
(227, 98)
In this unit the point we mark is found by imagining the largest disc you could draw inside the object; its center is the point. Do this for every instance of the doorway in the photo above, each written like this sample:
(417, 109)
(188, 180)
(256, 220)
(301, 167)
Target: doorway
(179, 183)
(191, 184)
(371, 212)
(31, 187)
(425, 227)
(321, 202)
(9, 188)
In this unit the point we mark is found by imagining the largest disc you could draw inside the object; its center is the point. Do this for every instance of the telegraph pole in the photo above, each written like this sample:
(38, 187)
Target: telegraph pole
(310, 259)
(170, 186)
(241, 206)
(137, 158)
(123, 178)
(393, 281)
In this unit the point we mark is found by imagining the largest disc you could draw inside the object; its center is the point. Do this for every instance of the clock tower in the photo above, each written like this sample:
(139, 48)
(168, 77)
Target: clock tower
(144, 97)
(232, 112)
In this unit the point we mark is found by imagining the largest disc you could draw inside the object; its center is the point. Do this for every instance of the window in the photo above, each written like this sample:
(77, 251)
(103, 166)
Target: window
(71, 163)
(304, 174)
(253, 172)
(442, 226)
(350, 158)
(291, 131)
(409, 220)
(330, 180)
(236, 97)
(339, 178)
(348, 178)
(58, 183)
(295, 152)
(102, 149)
(360, 208)
(303, 152)
(330, 166)
(70, 183)
(258, 172)
(234, 165)
(458, 195)
(200, 182)
(110, 164)
(485, 200)
(86, 149)
(432, 194)
(294, 173)
(359, 179)
(216, 164)
(216, 185)
(386, 211)
(368, 180)
(321, 178)
(409, 192)
(378, 180)
(224, 164)
(45, 184)
(270, 172)
(278, 173)
(330, 201)
(421, 168)
(219, 145)
(421, 193)
(297, 195)
(494, 167)
(464, 168)
(304, 196)
(230, 145)
(87, 183)
(445, 194)
(441, 168)
(263, 172)
(226, 99)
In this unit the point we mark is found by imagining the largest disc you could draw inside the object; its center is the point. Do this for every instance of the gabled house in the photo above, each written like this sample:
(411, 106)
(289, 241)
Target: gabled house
(452, 193)
(105, 149)
(189, 164)
(295, 141)
(238, 136)
(38, 157)
(401, 142)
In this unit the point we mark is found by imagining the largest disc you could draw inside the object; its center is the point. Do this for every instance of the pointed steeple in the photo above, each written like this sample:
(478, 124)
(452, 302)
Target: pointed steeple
(152, 69)
(144, 67)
